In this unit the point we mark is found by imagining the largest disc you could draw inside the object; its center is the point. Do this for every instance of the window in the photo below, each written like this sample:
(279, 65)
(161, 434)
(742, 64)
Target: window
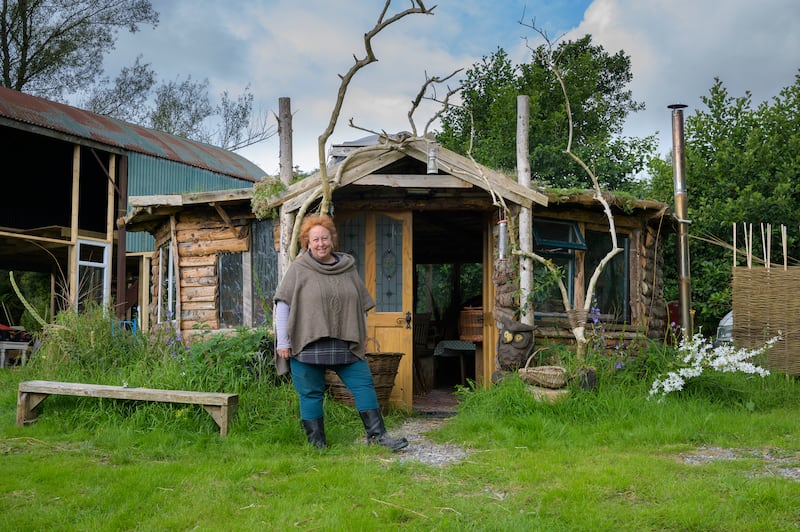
(558, 241)
(247, 281)
(389, 264)
(352, 236)
(264, 267)
(569, 248)
(557, 235)
(93, 277)
(547, 297)
(611, 291)
(167, 290)
(231, 295)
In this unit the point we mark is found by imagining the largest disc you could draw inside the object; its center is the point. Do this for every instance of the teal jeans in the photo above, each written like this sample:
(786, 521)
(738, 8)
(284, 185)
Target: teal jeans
(309, 381)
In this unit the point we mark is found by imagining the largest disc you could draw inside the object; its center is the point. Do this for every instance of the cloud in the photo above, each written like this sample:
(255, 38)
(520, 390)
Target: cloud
(678, 48)
(299, 49)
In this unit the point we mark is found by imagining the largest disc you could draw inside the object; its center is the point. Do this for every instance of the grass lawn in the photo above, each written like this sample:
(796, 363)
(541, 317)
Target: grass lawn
(605, 460)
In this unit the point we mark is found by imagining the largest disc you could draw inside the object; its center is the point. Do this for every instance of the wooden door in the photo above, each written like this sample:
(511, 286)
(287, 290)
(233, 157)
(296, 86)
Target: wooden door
(381, 245)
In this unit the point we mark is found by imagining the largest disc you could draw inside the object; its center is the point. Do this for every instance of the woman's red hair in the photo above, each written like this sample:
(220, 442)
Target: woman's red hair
(321, 219)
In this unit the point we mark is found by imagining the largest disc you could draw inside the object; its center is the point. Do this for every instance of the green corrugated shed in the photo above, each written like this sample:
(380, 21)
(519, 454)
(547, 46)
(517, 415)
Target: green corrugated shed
(149, 176)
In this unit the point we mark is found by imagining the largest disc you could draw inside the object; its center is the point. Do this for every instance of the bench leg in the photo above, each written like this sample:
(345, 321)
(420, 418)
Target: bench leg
(27, 403)
(222, 415)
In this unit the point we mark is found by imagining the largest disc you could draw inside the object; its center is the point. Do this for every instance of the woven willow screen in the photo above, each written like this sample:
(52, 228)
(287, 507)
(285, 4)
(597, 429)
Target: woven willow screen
(765, 303)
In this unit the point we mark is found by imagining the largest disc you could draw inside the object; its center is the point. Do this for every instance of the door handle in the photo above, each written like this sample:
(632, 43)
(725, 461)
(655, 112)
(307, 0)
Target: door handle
(408, 320)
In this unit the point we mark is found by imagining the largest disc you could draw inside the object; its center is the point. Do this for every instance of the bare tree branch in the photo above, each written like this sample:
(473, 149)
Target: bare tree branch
(445, 106)
(578, 328)
(421, 95)
(417, 7)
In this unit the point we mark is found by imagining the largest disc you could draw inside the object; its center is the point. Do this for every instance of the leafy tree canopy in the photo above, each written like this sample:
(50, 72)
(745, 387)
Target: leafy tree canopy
(54, 47)
(599, 100)
(742, 166)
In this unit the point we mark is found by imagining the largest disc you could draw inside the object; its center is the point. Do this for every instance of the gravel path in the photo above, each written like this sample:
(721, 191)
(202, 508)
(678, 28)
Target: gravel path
(774, 462)
(422, 449)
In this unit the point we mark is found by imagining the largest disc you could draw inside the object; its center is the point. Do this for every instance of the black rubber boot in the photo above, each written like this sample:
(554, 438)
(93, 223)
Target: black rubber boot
(315, 430)
(376, 432)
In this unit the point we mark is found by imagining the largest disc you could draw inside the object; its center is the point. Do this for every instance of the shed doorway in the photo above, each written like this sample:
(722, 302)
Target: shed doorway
(448, 277)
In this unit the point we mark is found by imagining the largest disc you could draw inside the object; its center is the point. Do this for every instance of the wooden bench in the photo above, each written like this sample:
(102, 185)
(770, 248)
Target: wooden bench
(221, 406)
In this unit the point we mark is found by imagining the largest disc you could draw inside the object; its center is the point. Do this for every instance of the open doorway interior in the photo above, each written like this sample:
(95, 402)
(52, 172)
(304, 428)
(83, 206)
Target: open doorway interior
(448, 278)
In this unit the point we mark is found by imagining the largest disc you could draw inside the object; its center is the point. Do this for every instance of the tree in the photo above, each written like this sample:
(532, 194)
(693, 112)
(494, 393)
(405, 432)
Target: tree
(266, 189)
(600, 104)
(54, 47)
(126, 98)
(577, 315)
(181, 108)
(742, 166)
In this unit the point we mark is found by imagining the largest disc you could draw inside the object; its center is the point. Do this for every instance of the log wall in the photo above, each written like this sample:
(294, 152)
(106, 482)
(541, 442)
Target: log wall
(201, 235)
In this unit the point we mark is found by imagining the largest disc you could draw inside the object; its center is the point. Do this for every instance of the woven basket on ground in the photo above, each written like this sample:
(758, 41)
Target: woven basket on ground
(383, 367)
(547, 376)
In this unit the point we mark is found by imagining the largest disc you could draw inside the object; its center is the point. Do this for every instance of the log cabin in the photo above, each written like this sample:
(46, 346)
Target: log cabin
(422, 223)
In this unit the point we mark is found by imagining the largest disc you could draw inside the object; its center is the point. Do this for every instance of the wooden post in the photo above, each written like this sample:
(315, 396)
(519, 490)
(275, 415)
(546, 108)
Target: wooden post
(122, 235)
(525, 214)
(286, 219)
(285, 137)
(73, 229)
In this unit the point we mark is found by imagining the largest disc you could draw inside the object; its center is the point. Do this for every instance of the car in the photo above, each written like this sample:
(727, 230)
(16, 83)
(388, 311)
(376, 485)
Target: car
(725, 330)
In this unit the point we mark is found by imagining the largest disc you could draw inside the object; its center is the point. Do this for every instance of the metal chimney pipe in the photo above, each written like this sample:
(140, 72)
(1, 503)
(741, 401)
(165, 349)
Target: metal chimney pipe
(682, 216)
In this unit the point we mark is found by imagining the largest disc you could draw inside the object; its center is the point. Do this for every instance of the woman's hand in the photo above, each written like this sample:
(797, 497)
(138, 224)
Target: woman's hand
(284, 352)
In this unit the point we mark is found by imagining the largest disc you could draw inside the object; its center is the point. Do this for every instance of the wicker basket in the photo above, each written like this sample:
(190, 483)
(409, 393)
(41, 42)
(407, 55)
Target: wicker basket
(383, 367)
(546, 376)
(470, 324)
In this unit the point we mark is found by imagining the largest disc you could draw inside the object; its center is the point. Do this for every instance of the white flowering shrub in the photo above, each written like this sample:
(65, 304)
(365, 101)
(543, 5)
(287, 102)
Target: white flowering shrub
(697, 355)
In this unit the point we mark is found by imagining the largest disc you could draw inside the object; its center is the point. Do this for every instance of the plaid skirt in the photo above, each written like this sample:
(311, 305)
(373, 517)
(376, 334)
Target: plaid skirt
(327, 352)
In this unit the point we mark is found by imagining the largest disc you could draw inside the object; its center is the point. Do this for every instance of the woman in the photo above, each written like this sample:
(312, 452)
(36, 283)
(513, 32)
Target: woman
(320, 322)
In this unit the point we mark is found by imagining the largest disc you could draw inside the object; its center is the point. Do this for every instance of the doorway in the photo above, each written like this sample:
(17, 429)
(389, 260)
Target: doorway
(448, 277)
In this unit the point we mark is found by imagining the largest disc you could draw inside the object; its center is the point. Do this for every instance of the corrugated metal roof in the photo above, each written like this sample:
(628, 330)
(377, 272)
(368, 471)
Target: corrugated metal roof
(151, 175)
(27, 109)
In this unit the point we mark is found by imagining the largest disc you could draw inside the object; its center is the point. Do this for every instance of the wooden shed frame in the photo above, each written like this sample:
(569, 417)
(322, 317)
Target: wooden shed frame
(87, 165)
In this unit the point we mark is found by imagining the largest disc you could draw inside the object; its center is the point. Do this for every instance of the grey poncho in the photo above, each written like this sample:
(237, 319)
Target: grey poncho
(325, 301)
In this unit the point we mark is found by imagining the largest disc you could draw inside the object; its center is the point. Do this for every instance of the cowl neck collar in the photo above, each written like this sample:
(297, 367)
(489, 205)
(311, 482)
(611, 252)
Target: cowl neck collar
(344, 263)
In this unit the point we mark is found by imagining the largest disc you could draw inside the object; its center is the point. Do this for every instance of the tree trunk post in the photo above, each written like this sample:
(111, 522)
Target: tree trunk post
(286, 220)
(525, 214)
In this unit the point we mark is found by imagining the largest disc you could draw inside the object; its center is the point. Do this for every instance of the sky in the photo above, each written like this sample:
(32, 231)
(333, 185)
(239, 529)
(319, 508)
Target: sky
(298, 49)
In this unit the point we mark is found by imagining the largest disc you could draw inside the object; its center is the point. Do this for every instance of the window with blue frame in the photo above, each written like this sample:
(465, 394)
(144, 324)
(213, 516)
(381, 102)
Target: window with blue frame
(564, 243)
(558, 241)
